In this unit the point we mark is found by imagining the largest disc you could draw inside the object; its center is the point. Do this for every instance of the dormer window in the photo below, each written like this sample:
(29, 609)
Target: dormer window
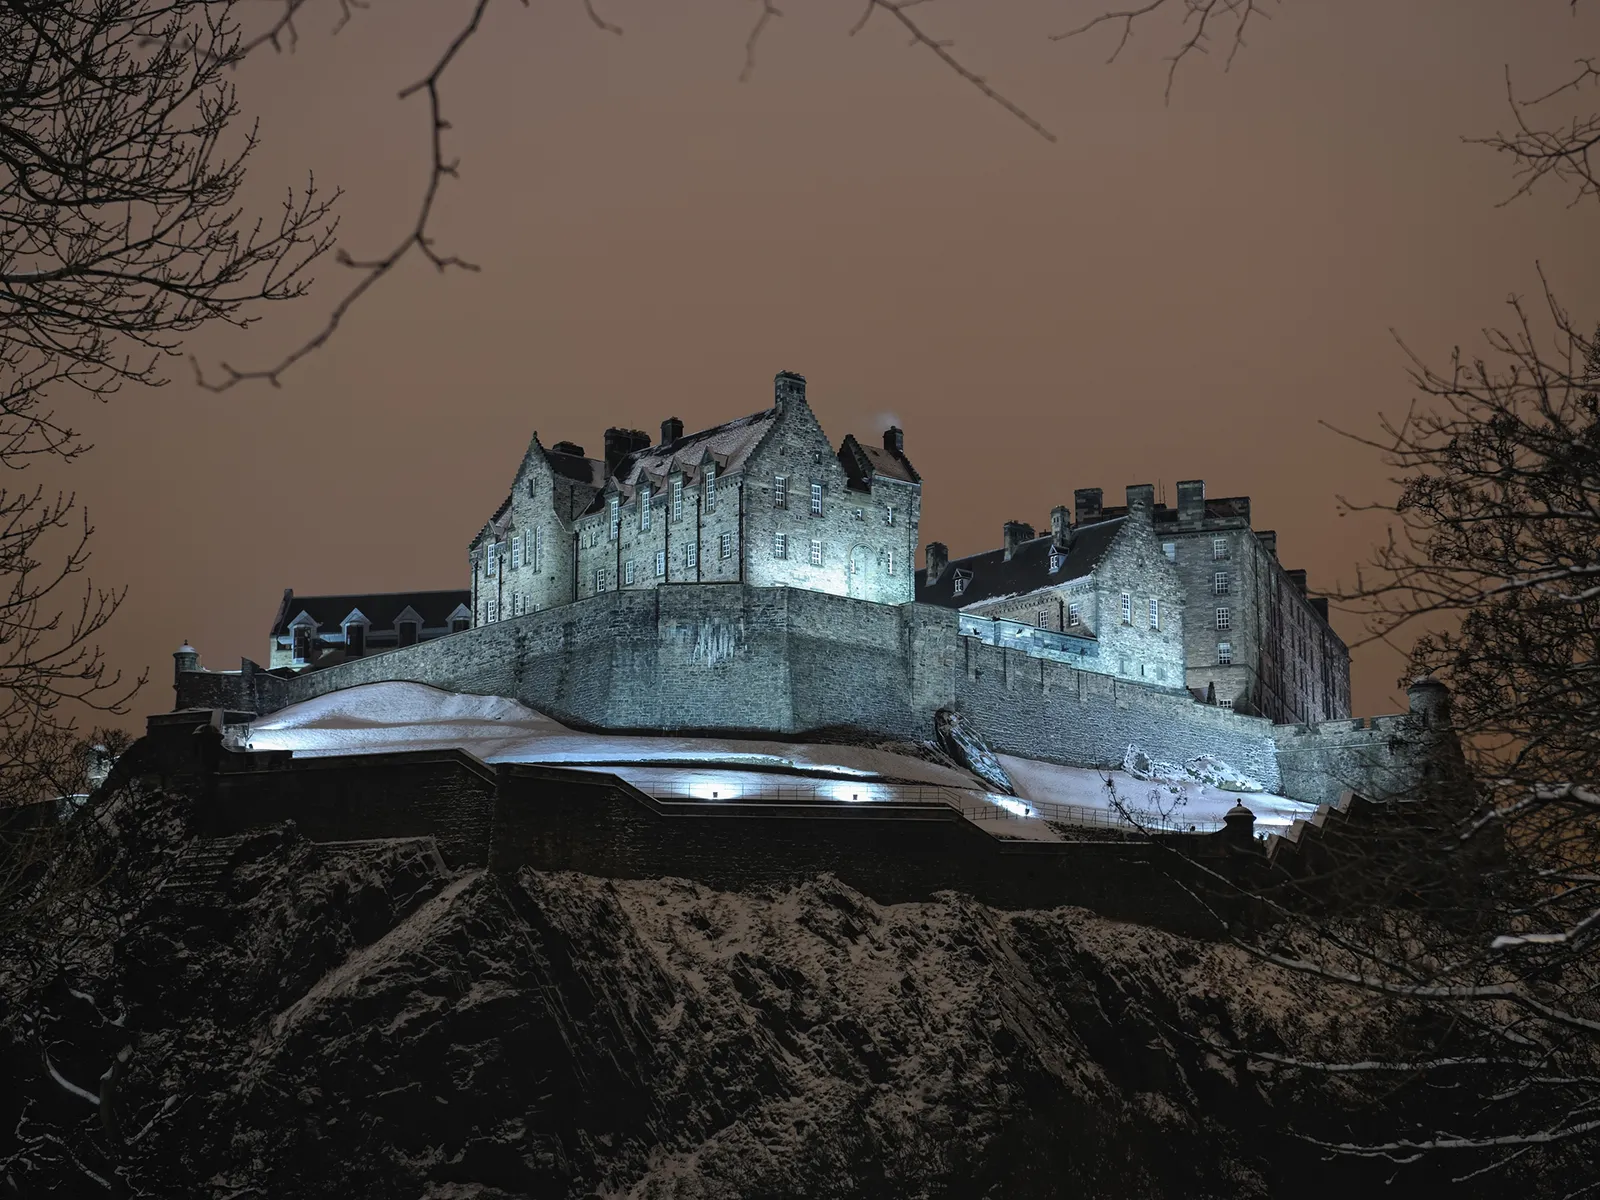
(711, 487)
(677, 499)
(355, 639)
(644, 506)
(959, 581)
(1055, 561)
(490, 559)
(616, 517)
(301, 638)
(460, 624)
(407, 633)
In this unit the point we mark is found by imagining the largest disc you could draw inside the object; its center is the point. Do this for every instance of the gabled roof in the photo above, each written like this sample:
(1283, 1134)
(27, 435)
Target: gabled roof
(991, 576)
(380, 608)
(861, 462)
(728, 446)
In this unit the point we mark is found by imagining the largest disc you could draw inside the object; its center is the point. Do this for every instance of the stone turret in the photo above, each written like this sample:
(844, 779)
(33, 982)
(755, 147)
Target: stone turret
(1430, 702)
(184, 658)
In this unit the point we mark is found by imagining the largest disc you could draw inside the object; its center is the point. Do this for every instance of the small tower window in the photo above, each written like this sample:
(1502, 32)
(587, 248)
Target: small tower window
(1224, 654)
(1219, 583)
(1224, 619)
(1219, 548)
(780, 492)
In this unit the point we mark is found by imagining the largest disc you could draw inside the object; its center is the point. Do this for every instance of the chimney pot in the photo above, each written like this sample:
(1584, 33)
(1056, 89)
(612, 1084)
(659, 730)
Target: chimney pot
(1141, 496)
(894, 440)
(1269, 541)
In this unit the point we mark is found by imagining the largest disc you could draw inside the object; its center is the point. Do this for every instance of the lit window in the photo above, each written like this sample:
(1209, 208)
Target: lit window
(644, 506)
(1225, 703)
(726, 548)
(1170, 549)
(1219, 548)
(1219, 583)
(1224, 619)
(816, 499)
(1055, 561)
(816, 552)
(1155, 613)
(960, 581)
(780, 545)
(599, 580)
(888, 515)
(1072, 613)
(691, 555)
(616, 517)
(516, 550)
(677, 499)
(889, 563)
(1127, 608)
(490, 559)
(1224, 654)
(711, 487)
(661, 563)
(627, 573)
(780, 493)
(1040, 618)
(494, 615)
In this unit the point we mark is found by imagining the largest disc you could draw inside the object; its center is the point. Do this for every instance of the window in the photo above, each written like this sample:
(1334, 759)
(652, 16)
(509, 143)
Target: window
(1122, 664)
(599, 580)
(459, 624)
(960, 580)
(489, 559)
(1225, 703)
(888, 515)
(1170, 549)
(816, 552)
(725, 548)
(627, 573)
(1224, 654)
(1055, 561)
(711, 487)
(1127, 608)
(538, 549)
(1072, 613)
(516, 550)
(1219, 583)
(644, 506)
(661, 564)
(780, 545)
(677, 499)
(816, 499)
(780, 493)
(1155, 613)
(302, 643)
(1219, 548)
(888, 563)
(516, 604)
(492, 612)
(1040, 618)
(408, 633)
(616, 517)
(1224, 619)
(691, 556)
(860, 515)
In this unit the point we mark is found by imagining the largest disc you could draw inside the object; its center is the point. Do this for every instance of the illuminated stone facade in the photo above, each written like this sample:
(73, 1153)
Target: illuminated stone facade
(763, 500)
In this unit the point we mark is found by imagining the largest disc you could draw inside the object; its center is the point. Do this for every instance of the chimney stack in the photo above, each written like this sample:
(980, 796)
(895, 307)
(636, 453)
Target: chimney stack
(671, 430)
(1060, 526)
(1269, 541)
(1086, 503)
(894, 440)
(1298, 578)
(1016, 532)
(938, 558)
(788, 387)
(1141, 496)
(1191, 499)
(622, 442)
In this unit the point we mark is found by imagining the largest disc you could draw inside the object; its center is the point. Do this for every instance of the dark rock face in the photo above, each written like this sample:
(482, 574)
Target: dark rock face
(351, 1021)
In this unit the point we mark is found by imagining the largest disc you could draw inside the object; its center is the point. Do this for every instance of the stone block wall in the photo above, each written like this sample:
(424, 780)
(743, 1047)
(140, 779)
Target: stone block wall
(1049, 710)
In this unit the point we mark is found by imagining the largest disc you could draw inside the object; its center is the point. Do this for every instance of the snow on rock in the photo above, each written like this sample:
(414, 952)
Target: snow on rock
(1204, 768)
(967, 747)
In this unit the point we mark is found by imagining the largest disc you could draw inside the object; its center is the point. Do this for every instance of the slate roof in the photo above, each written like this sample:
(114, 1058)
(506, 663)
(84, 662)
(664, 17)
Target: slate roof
(992, 577)
(861, 462)
(381, 608)
(729, 445)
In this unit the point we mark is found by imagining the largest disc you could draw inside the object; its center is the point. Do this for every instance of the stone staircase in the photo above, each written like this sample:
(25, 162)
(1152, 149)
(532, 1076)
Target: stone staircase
(201, 873)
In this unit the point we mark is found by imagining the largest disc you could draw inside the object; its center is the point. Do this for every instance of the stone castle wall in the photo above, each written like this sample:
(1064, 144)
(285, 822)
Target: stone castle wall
(789, 662)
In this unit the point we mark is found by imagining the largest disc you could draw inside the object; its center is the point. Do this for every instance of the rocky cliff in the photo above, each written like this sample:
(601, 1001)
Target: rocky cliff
(356, 1020)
